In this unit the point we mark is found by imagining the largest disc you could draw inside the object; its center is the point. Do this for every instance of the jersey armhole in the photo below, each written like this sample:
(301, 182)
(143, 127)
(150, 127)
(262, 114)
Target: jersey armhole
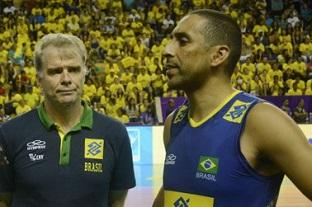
(241, 157)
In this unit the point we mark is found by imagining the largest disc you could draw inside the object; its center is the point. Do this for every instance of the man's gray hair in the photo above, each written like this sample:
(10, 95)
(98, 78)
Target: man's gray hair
(58, 40)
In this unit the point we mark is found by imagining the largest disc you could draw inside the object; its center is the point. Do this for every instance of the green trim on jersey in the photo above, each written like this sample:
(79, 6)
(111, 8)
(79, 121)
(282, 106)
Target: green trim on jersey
(86, 121)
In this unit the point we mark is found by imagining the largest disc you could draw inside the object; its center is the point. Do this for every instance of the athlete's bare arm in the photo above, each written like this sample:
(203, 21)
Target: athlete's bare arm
(159, 200)
(117, 198)
(277, 139)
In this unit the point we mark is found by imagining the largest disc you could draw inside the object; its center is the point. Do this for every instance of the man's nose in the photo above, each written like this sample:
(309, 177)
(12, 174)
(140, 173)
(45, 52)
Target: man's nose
(66, 77)
(168, 52)
(169, 49)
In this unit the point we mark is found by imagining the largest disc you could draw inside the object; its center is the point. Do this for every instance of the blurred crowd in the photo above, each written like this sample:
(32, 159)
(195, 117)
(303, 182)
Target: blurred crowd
(125, 40)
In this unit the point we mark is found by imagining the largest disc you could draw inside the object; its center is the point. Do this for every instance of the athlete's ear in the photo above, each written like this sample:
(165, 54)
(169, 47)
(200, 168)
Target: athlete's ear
(220, 54)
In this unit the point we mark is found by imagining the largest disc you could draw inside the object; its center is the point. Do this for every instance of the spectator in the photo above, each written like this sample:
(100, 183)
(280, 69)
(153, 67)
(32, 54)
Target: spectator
(132, 110)
(309, 70)
(293, 19)
(122, 115)
(167, 24)
(276, 86)
(286, 108)
(10, 9)
(73, 25)
(22, 107)
(300, 114)
(308, 91)
(294, 90)
(148, 115)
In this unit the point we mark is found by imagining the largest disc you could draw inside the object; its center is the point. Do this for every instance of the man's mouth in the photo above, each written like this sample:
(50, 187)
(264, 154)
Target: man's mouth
(170, 69)
(170, 72)
(65, 91)
(169, 66)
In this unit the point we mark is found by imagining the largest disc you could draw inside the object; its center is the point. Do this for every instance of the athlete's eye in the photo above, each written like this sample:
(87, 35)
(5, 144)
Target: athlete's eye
(183, 41)
(182, 38)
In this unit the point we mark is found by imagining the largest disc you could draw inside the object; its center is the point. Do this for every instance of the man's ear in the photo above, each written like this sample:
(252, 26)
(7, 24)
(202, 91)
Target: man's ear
(86, 71)
(219, 55)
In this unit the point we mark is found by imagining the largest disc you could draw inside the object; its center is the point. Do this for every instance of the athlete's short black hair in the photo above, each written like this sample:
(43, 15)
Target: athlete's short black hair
(222, 29)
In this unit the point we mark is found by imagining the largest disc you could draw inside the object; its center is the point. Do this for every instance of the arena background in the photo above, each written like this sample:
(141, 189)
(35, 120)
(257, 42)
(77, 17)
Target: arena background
(276, 43)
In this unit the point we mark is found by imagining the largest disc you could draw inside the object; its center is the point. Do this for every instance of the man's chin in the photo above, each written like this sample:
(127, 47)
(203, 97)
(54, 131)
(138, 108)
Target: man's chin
(67, 101)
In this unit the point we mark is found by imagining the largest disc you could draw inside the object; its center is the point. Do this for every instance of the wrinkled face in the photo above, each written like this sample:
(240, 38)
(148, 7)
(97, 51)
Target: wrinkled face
(186, 55)
(62, 76)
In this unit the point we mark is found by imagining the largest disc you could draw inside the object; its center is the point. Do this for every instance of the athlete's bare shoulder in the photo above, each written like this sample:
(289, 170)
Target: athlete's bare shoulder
(279, 139)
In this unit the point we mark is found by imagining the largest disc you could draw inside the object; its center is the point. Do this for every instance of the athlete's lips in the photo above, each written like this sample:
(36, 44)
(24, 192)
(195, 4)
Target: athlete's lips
(170, 69)
(170, 66)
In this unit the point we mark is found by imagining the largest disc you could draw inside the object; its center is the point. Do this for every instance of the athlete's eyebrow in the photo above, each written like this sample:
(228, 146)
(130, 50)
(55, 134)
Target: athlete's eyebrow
(179, 35)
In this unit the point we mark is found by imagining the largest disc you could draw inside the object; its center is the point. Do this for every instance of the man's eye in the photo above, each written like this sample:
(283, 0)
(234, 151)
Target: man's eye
(74, 69)
(183, 41)
(55, 71)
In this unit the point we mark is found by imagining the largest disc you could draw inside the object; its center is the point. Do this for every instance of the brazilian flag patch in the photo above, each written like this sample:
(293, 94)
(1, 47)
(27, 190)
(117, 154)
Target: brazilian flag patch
(208, 165)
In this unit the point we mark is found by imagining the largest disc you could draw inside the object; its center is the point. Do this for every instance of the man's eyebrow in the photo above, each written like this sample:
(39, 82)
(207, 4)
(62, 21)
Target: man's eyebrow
(60, 67)
(54, 68)
(179, 34)
(74, 67)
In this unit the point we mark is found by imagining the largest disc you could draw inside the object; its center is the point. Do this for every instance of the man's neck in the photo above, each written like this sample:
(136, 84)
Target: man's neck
(66, 116)
(206, 99)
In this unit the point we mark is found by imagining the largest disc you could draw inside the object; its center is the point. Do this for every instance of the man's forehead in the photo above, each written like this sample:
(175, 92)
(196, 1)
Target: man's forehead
(67, 51)
(64, 53)
(55, 56)
(189, 23)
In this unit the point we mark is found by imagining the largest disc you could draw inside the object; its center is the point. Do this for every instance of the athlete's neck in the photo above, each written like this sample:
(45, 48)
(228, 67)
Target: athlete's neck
(206, 99)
